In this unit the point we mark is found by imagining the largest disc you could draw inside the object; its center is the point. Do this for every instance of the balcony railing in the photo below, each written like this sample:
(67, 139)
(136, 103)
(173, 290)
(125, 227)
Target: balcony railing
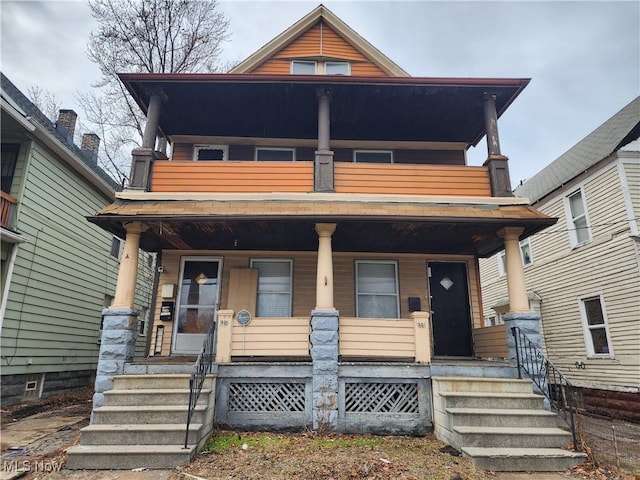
(297, 177)
(7, 210)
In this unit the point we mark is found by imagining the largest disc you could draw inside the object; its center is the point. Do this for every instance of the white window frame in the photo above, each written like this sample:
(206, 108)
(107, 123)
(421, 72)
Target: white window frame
(502, 257)
(292, 150)
(571, 225)
(396, 280)
(356, 152)
(197, 148)
(120, 247)
(303, 62)
(143, 321)
(588, 339)
(337, 62)
(275, 260)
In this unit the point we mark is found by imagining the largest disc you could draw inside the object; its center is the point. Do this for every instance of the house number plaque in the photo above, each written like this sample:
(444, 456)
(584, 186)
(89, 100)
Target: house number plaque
(243, 317)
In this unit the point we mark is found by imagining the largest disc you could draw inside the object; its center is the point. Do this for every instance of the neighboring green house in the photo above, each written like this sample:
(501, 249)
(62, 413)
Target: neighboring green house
(58, 270)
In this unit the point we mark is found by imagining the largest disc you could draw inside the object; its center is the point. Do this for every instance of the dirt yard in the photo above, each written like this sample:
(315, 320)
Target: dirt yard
(256, 456)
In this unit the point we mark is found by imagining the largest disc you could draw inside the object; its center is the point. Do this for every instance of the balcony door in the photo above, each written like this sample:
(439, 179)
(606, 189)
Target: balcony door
(198, 298)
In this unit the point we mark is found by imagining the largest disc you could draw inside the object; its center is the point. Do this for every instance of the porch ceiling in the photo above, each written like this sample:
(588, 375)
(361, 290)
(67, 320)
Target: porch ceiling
(285, 106)
(289, 226)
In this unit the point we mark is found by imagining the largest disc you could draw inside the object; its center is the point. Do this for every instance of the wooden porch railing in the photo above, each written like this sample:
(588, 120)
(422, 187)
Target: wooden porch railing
(7, 209)
(271, 337)
(490, 342)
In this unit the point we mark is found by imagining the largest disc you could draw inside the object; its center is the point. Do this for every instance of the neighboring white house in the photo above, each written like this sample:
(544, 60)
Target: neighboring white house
(583, 274)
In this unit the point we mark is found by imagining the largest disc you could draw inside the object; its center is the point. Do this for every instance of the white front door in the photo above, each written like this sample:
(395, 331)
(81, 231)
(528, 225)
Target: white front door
(197, 306)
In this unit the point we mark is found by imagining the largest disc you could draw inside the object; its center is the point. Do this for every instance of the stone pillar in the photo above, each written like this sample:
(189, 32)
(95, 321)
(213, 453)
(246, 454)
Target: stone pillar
(518, 299)
(324, 274)
(324, 355)
(323, 167)
(117, 347)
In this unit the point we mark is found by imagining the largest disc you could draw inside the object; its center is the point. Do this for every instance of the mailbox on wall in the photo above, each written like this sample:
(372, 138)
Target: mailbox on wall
(166, 311)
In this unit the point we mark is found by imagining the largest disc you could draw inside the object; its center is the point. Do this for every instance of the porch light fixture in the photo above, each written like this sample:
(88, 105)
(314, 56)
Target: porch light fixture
(201, 279)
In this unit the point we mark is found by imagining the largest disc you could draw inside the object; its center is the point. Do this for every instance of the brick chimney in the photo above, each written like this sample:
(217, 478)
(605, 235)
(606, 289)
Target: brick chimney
(90, 145)
(66, 124)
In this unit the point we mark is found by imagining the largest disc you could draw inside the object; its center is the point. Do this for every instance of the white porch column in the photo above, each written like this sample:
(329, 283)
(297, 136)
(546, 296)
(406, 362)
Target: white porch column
(324, 278)
(518, 300)
(127, 275)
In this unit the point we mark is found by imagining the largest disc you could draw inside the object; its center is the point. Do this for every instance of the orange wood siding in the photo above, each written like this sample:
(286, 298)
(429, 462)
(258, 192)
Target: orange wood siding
(411, 179)
(271, 337)
(319, 42)
(377, 338)
(172, 176)
(490, 342)
(182, 152)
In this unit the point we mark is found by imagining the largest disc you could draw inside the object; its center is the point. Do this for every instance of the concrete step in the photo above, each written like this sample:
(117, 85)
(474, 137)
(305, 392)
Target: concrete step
(512, 437)
(152, 369)
(127, 457)
(493, 400)
(160, 381)
(152, 396)
(523, 459)
(474, 384)
(123, 415)
(139, 434)
(506, 417)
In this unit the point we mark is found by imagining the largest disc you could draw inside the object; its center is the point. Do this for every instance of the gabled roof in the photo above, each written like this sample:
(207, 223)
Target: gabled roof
(613, 135)
(321, 13)
(27, 114)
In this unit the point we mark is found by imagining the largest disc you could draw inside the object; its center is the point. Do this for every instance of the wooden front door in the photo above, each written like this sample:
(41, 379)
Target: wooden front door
(450, 312)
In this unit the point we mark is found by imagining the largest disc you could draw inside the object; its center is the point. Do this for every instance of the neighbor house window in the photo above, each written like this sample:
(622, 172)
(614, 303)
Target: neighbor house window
(525, 255)
(210, 152)
(8, 165)
(275, 154)
(143, 317)
(117, 246)
(594, 321)
(274, 287)
(301, 67)
(377, 289)
(337, 68)
(373, 156)
(577, 219)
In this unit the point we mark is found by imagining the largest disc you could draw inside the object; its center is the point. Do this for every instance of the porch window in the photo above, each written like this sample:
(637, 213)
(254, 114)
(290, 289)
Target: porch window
(210, 152)
(302, 67)
(377, 289)
(577, 220)
(274, 287)
(594, 321)
(275, 154)
(373, 156)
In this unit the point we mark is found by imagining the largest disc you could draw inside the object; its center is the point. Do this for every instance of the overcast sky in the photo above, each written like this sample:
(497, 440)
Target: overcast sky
(583, 57)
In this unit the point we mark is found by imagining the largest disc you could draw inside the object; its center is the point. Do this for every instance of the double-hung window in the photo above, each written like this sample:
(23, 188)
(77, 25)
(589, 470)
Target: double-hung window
(377, 289)
(577, 220)
(525, 255)
(594, 321)
(274, 287)
(303, 67)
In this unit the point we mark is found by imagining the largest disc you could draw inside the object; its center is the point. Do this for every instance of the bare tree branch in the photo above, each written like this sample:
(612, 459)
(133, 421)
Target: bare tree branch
(153, 36)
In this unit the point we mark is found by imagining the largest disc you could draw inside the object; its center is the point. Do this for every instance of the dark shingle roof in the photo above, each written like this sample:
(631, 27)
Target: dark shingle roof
(620, 130)
(36, 115)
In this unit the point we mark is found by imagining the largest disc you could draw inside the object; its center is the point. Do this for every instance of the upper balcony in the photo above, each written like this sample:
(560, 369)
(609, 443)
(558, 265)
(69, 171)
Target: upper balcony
(323, 113)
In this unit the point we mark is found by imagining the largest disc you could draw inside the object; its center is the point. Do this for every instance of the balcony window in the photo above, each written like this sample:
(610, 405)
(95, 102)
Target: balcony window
(377, 289)
(275, 154)
(373, 156)
(337, 68)
(210, 152)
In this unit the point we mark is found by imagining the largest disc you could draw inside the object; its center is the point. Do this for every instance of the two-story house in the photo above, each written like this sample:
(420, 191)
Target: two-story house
(58, 270)
(583, 274)
(319, 230)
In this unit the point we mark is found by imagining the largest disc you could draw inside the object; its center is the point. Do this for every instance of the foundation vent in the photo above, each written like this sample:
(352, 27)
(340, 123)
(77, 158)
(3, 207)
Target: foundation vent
(381, 397)
(267, 397)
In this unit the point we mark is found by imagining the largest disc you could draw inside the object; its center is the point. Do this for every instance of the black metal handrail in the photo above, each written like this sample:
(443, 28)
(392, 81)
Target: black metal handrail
(199, 373)
(551, 382)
